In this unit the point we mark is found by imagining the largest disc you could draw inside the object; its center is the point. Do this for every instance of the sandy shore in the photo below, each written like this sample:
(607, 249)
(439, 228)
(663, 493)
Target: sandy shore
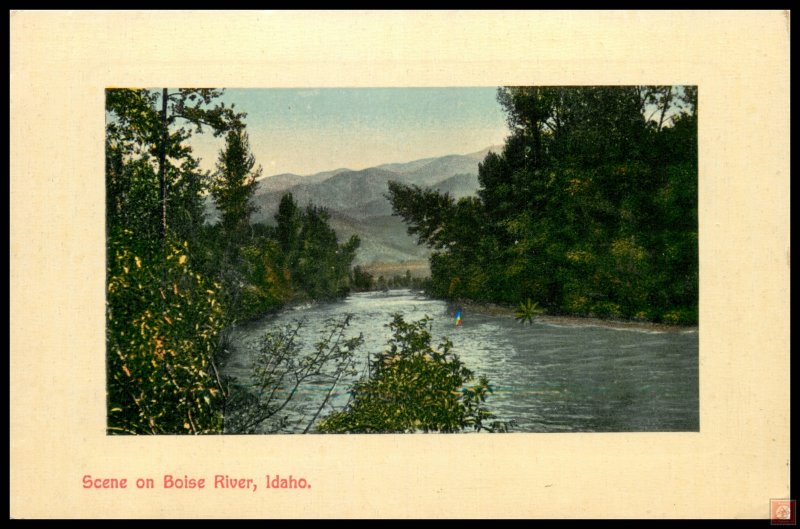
(501, 310)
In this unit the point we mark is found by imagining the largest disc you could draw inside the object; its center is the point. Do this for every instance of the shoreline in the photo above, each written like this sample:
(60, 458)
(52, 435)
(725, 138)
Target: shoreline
(494, 309)
(501, 310)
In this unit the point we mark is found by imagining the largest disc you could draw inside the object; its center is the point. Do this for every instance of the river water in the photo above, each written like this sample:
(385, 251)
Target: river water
(546, 377)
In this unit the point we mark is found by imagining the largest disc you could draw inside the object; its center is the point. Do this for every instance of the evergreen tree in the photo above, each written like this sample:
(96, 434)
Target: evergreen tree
(234, 185)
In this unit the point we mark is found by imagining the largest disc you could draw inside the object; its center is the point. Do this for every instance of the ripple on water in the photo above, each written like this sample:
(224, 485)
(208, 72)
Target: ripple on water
(547, 377)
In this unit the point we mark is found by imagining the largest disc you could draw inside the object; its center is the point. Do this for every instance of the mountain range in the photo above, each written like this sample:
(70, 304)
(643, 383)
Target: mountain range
(357, 203)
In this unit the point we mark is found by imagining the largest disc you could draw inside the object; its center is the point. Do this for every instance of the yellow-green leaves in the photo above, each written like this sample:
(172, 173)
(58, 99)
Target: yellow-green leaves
(161, 375)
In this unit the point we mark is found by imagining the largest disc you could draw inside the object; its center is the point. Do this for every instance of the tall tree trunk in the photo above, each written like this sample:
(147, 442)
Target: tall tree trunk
(162, 165)
(537, 144)
(665, 107)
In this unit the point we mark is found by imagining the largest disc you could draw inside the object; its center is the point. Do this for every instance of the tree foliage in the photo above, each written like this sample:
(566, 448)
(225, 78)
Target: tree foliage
(162, 340)
(319, 265)
(234, 185)
(175, 283)
(590, 208)
(164, 314)
(362, 280)
(153, 128)
(413, 386)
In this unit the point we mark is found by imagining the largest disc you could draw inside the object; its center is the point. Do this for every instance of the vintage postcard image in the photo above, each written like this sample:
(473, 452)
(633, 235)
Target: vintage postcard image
(402, 260)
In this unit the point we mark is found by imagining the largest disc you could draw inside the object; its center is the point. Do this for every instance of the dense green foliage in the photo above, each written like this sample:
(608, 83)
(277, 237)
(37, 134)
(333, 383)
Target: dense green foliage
(233, 186)
(361, 279)
(319, 264)
(164, 316)
(399, 281)
(175, 282)
(414, 387)
(590, 208)
(164, 323)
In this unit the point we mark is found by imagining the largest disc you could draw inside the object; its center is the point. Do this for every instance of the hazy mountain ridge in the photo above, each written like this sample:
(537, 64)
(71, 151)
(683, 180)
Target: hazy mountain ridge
(458, 186)
(284, 181)
(357, 203)
(360, 194)
(383, 239)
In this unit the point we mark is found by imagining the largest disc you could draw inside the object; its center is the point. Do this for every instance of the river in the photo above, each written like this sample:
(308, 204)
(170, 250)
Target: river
(546, 377)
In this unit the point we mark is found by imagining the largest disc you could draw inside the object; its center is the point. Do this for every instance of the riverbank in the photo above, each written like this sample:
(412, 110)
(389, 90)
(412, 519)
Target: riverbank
(503, 310)
(495, 309)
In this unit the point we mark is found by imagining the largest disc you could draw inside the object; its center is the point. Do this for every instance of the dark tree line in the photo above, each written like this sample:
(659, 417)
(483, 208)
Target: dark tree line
(590, 208)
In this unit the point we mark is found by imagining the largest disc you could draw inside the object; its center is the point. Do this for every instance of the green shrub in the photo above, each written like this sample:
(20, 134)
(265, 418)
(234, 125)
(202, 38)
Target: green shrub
(163, 329)
(361, 280)
(413, 387)
(682, 316)
(527, 311)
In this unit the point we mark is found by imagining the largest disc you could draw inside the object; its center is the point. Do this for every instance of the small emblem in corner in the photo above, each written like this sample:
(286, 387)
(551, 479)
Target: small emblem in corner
(782, 512)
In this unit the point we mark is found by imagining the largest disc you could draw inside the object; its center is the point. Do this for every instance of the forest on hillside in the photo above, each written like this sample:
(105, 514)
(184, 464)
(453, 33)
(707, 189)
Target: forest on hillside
(590, 209)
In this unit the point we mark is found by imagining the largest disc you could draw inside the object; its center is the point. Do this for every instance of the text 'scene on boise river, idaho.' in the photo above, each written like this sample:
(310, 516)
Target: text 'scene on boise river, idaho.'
(220, 481)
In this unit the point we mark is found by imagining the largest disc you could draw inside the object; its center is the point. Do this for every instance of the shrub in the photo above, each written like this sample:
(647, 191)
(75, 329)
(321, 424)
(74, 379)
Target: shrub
(413, 387)
(361, 279)
(164, 322)
(283, 370)
(527, 311)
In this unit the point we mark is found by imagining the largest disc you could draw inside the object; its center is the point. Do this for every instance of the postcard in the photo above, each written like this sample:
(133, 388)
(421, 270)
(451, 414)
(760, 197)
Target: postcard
(400, 264)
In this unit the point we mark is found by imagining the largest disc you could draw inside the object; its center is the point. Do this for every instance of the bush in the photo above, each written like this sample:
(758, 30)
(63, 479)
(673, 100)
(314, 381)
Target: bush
(164, 322)
(527, 311)
(413, 387)
(683, 316)
(282, 371)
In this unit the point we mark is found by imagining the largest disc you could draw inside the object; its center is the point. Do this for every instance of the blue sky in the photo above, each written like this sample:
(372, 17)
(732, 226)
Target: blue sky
(305, 131)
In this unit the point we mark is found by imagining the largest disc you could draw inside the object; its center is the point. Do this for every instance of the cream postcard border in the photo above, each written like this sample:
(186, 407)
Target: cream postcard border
(62, 61)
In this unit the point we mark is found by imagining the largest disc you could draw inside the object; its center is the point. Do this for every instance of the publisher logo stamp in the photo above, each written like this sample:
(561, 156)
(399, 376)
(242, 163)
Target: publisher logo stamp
(782, 512)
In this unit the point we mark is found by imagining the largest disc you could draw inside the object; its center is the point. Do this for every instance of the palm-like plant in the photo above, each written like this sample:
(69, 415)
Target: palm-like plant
(527, 311)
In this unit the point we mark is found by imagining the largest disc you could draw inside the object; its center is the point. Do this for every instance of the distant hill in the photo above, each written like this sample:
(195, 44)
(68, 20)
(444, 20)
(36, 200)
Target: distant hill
(458, 186)
(383, 239)
(480, 155)
(360, 194)
(286, 180)
(358, 206)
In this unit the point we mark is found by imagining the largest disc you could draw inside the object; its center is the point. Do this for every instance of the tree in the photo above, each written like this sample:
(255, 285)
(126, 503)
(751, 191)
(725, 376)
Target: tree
(322, 266)
(590, 208)
(161, 341)
(157, 126)
(164, 316)
(426, 212)
(319, 265)
(234, 185)
(288, 219)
